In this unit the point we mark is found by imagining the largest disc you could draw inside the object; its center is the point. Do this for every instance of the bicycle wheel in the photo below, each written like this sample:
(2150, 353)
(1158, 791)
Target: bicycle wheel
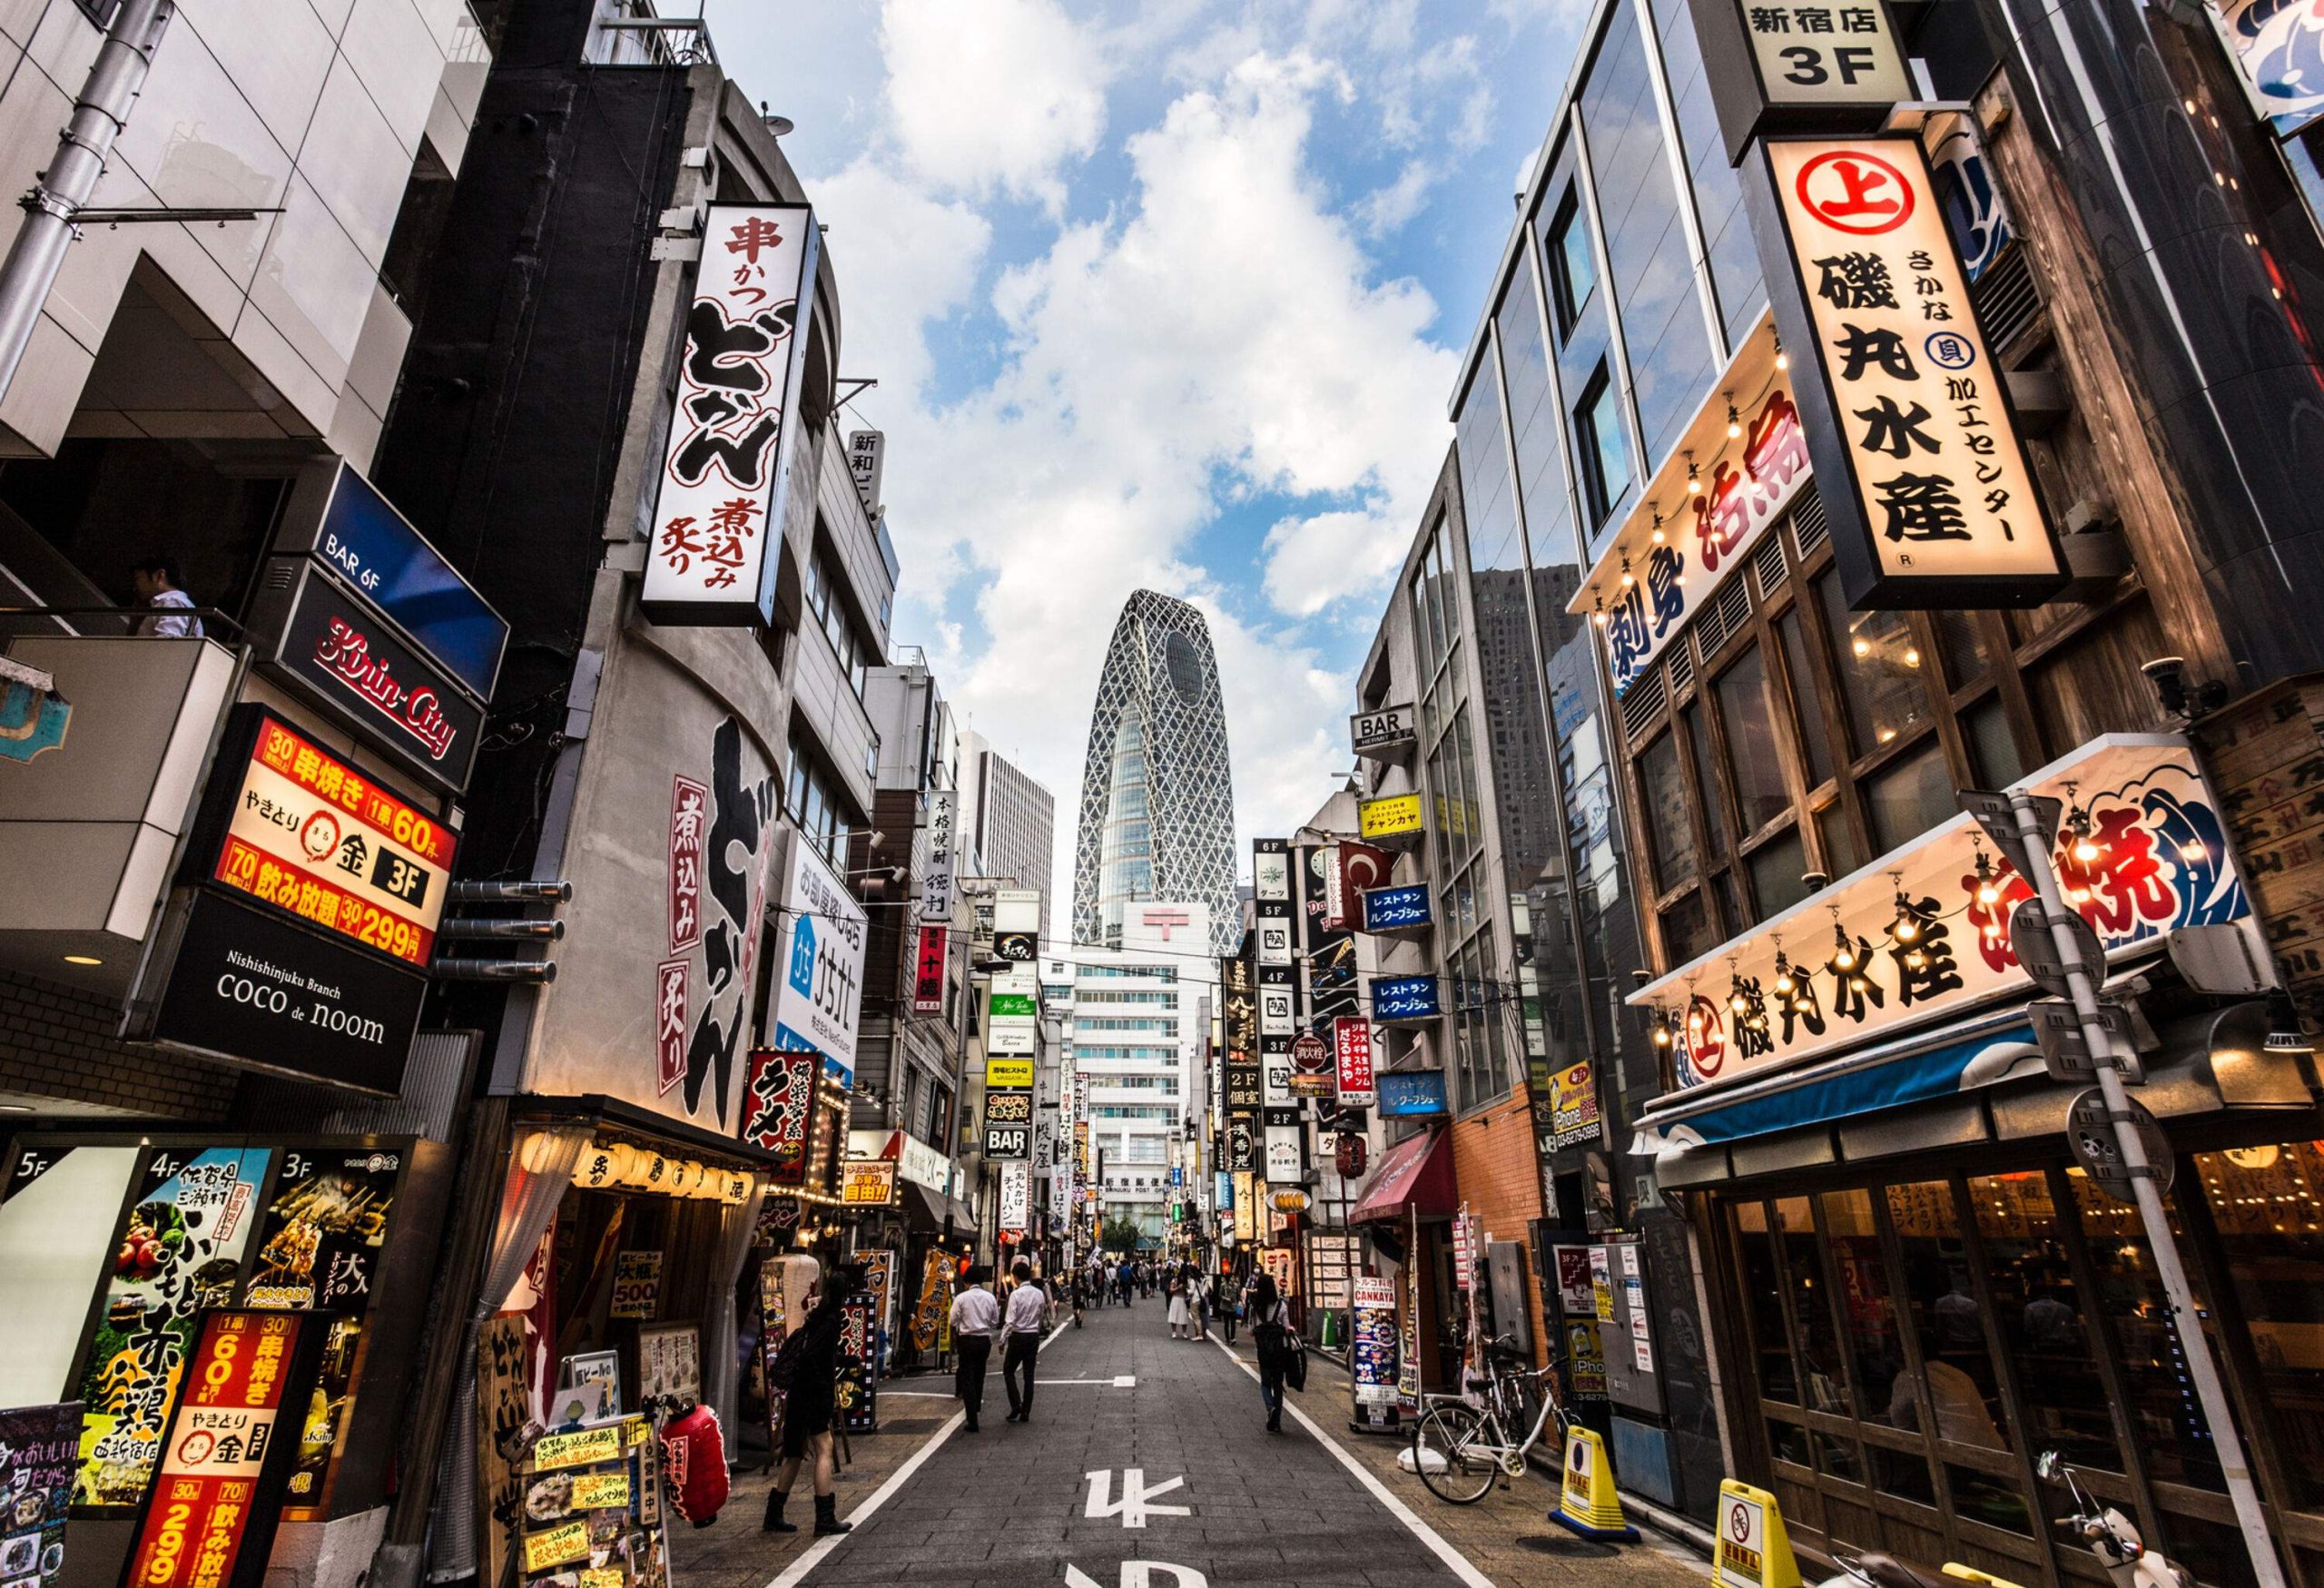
(1444, 1450)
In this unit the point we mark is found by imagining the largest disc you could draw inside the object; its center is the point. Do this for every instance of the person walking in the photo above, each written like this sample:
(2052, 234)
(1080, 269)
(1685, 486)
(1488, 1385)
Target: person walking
(1080, 1288)
(1270, 1321)
(1181, 1317)
(976, 1320)
(1198, 1300)
(1229, 1308)
(809, 1382)
(1027, 1313)
(1124, 1278)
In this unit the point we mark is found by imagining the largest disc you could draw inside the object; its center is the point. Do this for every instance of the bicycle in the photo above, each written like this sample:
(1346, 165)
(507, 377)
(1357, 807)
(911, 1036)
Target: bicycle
(1459, 1448)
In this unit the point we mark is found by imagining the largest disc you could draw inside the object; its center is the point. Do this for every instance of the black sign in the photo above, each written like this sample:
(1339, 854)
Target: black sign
(1008, 1107)
(258, 990)
(1242, 1145)
(354, 662)
(1278, 1117)
(1022, 947)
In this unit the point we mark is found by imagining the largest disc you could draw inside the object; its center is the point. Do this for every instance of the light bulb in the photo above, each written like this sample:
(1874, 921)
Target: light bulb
(1662, 1036)
(1734, 422)
(1862, 648)
(1783, 359)
(1987, 893)
(2085, 849)
(1738, 1004)
(1694, 479)
(1695, 1024)
(1629, 579)
(1906, 930)
(2193, 850)
(1845, 958)
(1784, 983)
(1915, 959)
(1912, 656)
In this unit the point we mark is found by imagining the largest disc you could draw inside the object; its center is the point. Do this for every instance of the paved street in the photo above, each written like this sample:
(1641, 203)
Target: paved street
(1223, 1502)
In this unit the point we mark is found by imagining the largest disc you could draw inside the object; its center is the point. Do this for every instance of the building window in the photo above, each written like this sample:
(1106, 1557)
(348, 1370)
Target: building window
(1670, 832)
(1884, 681)
(1754, 758)
(1598, 436)
(1574, 273)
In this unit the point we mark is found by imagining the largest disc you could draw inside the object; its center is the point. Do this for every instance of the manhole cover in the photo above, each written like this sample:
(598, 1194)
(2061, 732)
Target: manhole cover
(1558, 1544)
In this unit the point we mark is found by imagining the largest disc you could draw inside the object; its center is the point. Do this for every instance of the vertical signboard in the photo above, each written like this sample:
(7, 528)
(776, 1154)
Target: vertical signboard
(818, 981)
(726, 467)
(1372, 1351)
(936, 876)
(1826, 65)
(777, 1106)
(928, 971)
(1931, 500)
(867, 455)
(1352, 1045)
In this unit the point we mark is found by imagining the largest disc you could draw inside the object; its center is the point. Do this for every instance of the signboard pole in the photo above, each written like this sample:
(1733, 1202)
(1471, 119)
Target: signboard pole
(2143, 1175)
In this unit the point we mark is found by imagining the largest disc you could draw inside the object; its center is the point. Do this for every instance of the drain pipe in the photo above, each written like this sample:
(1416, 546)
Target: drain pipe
(111, 87)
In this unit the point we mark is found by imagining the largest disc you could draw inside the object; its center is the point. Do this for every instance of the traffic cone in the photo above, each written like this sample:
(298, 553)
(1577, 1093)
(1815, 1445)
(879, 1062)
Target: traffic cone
(1587, 1502)
(1754, 1550)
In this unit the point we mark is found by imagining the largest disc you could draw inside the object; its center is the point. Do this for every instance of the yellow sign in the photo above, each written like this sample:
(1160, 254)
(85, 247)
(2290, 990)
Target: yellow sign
(1754, 1550)
(559, 1545)
(867, 1182)
(1390, 816)
(1587, 1502)
(600, 1491)
(578, 1448)
(1937, 506)
(601, 1577)
(1008, 1072)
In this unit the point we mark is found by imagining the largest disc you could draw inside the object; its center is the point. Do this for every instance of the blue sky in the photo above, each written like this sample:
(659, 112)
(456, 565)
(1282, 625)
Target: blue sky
(1168, 294)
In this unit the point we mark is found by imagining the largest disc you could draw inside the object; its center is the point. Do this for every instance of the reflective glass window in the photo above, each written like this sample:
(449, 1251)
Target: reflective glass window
(1597, 434)
(1909, 796)
(1884, 682)
(1668, 828)
(1763, 1289)
(2267, 1203)
(1776, 868)
(1754, 759)
(1573, 269)
(2038, 1311)
(1812, 736)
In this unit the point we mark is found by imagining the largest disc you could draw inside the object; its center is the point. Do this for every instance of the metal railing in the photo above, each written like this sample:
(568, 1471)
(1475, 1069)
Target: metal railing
(635, 36)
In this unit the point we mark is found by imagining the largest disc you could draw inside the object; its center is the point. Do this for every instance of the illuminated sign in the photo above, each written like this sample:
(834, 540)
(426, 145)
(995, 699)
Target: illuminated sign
(1930, 498)
(1008, 1072)
(726, 467)
(867, 1182)
(1408, 1093)
(1401, 998)
(311, 836)
(928, 972)
(1805, 66)
(1352, 1045)
(1404, 909)
(778, 1104)
(1390, 816)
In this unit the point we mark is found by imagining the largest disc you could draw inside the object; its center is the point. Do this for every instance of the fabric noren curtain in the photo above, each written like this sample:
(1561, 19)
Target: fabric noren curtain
(721, 1372)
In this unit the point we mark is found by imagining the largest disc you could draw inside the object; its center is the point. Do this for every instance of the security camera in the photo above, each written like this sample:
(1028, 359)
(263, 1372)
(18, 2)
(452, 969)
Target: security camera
(2168, 676)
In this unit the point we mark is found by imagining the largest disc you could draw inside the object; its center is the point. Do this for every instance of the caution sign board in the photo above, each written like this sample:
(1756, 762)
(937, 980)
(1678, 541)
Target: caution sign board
(1754, 1550)
(1587, 1501)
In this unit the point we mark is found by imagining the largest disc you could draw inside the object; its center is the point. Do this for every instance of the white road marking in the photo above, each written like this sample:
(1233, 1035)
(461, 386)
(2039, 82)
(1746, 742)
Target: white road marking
(1137, 1503)
(1445, 1551)
(1139, 1574)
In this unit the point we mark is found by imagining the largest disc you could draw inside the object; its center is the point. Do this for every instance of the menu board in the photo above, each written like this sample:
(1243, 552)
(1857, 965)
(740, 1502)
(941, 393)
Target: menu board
(37, 1450)
(593, 1509)
(1373, 1350)
(669, 1363)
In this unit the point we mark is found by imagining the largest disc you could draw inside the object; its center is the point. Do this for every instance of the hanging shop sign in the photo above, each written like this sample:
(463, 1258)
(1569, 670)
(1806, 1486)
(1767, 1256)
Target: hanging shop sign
(1352, 1045)
(936, 875)
(867, 452)
(1922, 936)
(1930, 498)
(1975, 209)
(1286, 1153)
(224, 1462)
(248, 988)
(928, 971)
(1016, 1199)
(867, 1182)
(339, 519)
(1270, 871)
(638, 1284)
(354, 663)
(778, 1104)
(2279, 50)
(1241, 1144)
(820, 986)
(1404, 908)
(294, 828)
(1387, 733)
(1327, 950)
(1404, 998)
(36, 1460)
(689, 829)
(1806, 65)
(726, 467)
(1311, 1066)
(1573, 1106)
(1390, 816)
(1410, 1094)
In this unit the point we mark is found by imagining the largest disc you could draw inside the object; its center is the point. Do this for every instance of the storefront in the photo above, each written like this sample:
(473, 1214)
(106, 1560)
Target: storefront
(1918, 1288)
(1406, 1218)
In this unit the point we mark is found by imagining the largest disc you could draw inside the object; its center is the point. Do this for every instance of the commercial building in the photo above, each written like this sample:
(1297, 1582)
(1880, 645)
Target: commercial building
(1158, 803)
(1007, 820)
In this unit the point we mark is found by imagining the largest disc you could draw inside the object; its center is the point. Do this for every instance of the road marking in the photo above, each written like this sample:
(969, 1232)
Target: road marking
(1451, 1557)
(1137, 1503)
(1139, 1574)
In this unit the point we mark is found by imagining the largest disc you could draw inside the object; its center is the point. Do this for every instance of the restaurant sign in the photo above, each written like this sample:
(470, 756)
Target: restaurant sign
(928, 972)
(1804, 65)
(1921, 936)
(1931, 500)
(1383, 733)
(1404, 909)
(1403, 997)
(1390, 816)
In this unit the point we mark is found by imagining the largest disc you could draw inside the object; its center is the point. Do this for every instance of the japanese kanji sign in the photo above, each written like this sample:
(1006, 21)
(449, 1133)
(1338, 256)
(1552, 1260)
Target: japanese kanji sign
(726, 467)
(928, 972)
(1799, 66)
(1925, 483)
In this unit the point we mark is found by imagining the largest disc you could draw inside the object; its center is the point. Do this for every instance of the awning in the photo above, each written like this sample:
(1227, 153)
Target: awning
(1416, 1173)
(924, 1208)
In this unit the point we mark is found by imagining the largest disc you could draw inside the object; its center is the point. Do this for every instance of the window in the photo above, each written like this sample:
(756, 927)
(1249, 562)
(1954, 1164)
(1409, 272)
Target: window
(1573, 273)
(1668, 831)
(1883, 683)
(1605, 455)
(1909, 797)
(1754, 760)
(1813, 739)
(813, 802)
(1776, 868)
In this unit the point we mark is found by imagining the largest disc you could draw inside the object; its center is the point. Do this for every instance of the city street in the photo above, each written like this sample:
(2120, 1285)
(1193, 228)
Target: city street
(1223, 1502)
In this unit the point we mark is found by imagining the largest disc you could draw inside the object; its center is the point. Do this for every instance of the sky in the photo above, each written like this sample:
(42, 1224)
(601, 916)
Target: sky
(1168, 294)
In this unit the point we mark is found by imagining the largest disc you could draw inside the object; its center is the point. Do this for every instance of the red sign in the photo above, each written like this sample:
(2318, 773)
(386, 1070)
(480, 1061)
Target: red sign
(346, 651)
(928, 978)
(689, 820)
(313, 837)
(1352, 1039)
(671, 988)
(777, 1107)
(218, 1487)
(1354, 867)
(1853, 191)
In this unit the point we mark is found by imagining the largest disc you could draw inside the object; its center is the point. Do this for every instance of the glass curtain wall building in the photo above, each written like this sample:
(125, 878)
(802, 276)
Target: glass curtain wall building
(1158, 803)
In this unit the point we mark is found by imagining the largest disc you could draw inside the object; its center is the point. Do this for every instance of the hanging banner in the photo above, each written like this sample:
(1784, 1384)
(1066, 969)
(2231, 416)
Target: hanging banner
(1352, 869)
(819, 977)
(1930, 498)
(777, 1106)
(859, 1364)
(867, 1182)
(726, 469)
(1352, 1045)
(936, 876)
(928, 971)
(1016, 1198)
(689, 824)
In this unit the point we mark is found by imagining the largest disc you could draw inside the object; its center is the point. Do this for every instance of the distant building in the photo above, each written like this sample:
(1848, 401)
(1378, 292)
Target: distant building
(1007, 821)
(1158, 803)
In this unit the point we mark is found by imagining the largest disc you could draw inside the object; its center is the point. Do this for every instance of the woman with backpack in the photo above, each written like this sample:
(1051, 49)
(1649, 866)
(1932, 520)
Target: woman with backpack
(1269, 1316)
(806, 1375)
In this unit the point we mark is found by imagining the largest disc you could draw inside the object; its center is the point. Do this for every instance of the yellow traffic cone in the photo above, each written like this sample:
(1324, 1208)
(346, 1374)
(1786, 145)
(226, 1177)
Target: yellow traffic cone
(1754, 1550)
(1587, 1502)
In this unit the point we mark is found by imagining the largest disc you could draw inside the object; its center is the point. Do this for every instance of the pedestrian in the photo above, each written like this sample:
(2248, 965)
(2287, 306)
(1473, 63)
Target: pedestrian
(1124, 1278)
(1028, 1312)
(975, 1319)
(806, 1370)
(1081, 1293)
(157, 581)
(1181, 1315)
(1229, 1308)
(1198, 1300)
(1270, 1321)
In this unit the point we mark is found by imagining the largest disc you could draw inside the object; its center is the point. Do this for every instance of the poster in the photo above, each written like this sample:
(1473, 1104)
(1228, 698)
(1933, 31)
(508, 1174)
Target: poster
(1585, 1362)
(39, 1446)
(592, 1510)
(637, 1283)
(1573, 1106)
(1372, 1350)
(179, 1251)
(859, 1403)
(669, 1364)
(1601, 1284)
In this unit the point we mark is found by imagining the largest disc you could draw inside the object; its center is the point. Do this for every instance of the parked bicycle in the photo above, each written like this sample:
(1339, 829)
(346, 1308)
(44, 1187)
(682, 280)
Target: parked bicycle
(1461, 1445)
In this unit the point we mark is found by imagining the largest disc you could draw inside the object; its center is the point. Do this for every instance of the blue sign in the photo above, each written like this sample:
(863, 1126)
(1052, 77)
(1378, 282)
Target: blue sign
(1396, 909)
(1222, 1191)
(1405, 1093)
(1404, 998)
(366, 543)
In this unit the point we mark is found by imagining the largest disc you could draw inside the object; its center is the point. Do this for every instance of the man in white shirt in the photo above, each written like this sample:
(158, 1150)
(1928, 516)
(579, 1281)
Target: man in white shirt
(975, 1319)
(157, 586)
(1028, 1315)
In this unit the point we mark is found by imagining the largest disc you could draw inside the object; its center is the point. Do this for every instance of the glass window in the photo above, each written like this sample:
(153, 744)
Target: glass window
(1873, 1326)
(1687, 929)
(1958, 1390)
(1777, 866)
(1715, 835)
(1668, 829)
(1605, 455)
(1754, 760)
(2265, 1202)
(2038, 1312)
(1909, 797)
(1992, 746)
(1841, 855)
(1962, 631)
(1818, 742)
(1883, 685)
(1763, 1302)
(1574, 273)
(1823, 1369)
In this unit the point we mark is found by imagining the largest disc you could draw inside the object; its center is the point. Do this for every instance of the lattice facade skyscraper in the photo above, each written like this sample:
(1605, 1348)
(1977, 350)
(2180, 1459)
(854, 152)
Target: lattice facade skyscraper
(1158, 801)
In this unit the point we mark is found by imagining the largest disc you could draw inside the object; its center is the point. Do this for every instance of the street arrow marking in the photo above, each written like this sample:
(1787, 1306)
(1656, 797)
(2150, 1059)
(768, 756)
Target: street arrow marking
(1137, 1503)
(1139, 1574)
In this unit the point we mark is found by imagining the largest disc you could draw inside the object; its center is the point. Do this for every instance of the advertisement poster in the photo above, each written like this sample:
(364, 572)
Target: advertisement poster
(215, 1494)
(858, 1402)
(1601, 1284)
(669, 1364)
(181, 1251)
(928, 1319)
(1408, 1355)
(38, 1448)
(1373, 1349)
(318, 1250)
(592, 1510)
(1584, 1361)
(637, 1282)
(1573, 1106)
(778, 1103)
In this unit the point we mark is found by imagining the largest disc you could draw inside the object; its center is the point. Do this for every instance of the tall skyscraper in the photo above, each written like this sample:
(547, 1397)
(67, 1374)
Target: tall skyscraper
(1008, 821)
(1158, 802)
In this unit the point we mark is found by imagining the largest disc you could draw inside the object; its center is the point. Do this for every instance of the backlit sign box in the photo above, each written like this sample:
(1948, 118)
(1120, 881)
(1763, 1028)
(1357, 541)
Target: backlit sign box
(1805, 66)
(1385, 734)
(1390, 816)
(1411, 1093)
(1401, 997)
(1404, 909)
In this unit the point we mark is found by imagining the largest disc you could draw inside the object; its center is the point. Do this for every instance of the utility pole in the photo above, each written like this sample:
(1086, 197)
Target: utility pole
(2023, 825)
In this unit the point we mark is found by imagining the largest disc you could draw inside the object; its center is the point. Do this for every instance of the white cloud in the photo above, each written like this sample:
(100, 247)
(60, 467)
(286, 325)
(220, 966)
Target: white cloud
(1314, 561)
(992, 94)
(906, 258)
(1389, 209)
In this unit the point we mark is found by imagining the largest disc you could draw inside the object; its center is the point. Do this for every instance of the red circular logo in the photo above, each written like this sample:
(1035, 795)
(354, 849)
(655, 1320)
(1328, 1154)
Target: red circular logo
(1706, 1041)
(1860, 194)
